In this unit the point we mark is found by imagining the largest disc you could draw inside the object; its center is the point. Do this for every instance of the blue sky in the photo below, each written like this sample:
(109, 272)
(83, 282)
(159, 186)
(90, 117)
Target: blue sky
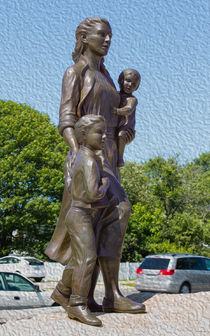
(165, 40)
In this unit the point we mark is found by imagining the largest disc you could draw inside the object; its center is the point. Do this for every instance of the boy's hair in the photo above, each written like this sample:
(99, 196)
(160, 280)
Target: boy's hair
(136, 75)
(84, 124)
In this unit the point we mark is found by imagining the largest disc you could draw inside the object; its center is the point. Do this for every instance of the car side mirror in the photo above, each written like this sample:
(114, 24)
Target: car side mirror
(37, 289)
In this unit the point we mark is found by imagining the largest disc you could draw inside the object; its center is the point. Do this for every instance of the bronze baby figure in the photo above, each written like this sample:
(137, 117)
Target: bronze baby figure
(129, 81)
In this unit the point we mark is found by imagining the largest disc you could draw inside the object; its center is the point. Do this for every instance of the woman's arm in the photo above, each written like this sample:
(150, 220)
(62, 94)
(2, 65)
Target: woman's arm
(69, 102)
(71, 141)
(68, 117)
(68, 109)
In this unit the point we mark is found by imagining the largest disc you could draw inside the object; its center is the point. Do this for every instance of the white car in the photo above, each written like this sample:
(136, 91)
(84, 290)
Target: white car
(28, 266)
(17, 292)
(173, 273)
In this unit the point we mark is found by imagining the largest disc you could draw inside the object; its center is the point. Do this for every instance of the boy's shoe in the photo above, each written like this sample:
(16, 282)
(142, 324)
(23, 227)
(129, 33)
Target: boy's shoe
(63, 300)
(59, 298)
(83, 314)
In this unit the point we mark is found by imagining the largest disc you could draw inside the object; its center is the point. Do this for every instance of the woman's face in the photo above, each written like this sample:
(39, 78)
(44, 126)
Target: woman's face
(99, 38)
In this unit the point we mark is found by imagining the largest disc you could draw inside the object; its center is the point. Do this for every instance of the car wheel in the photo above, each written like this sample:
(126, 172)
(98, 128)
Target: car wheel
(38, 279)
(185, 288)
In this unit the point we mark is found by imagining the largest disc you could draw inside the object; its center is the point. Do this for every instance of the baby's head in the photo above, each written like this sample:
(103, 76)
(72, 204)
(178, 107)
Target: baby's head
(129, 80)
(90, 131)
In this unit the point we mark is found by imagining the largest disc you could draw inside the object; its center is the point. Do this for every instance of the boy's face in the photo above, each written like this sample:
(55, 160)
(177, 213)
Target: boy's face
(129, 83)
(95, 136)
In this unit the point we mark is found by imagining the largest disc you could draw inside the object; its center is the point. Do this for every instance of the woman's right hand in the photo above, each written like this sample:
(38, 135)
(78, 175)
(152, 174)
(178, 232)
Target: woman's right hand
(74, 155)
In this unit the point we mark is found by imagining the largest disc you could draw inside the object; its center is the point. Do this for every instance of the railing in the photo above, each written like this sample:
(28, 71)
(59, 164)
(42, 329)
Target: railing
(54, 271)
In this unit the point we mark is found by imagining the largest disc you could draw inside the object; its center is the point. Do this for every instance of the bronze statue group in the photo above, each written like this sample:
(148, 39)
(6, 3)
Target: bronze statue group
(96, 121)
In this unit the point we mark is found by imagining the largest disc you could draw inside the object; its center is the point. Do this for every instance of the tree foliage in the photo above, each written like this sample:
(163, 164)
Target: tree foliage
(31, 178)
(169, 202)
(169, 207)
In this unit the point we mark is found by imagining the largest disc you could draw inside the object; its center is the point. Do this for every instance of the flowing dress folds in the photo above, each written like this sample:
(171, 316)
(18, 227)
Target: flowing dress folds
(86, 91)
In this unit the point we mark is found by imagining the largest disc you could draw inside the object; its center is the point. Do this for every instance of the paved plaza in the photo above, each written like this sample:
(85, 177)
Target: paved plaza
(167, 314)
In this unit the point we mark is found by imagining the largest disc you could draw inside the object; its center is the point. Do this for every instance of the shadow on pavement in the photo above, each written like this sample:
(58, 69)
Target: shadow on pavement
(141, 296)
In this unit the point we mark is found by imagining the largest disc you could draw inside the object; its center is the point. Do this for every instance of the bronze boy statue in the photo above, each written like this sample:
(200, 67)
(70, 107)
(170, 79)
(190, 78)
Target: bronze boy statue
(129, 81)
(88, 192)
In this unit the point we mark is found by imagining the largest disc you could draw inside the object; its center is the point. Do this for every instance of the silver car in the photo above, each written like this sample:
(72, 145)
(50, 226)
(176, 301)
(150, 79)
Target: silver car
(28, 266)
(173, 273)
(17, 292)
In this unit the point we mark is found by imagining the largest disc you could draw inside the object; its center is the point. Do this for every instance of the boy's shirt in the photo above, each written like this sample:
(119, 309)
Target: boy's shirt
(86, 188)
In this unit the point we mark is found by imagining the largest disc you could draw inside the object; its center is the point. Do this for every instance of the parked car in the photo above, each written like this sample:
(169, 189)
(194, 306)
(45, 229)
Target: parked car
(26, 265)
(173, 273)
(16, 291)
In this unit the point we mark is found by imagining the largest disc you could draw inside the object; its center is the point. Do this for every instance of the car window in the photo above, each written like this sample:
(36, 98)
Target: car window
(34, 261)
(155, 263)
(190, 264)
(13, 260)
(17, 283)
(197, 264)
(2, 285)
(182, 263)
(207, 264)
(4, 261)
(10, 260)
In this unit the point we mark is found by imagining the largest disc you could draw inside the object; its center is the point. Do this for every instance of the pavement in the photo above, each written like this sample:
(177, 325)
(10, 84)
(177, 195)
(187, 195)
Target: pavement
(167, 314)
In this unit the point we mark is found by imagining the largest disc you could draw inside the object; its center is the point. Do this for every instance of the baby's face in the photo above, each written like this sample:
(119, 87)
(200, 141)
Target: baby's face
(130, 82)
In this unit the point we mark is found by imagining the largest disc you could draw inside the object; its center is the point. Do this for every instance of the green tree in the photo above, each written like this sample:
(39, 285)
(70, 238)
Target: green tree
(203, 161)
(143, 231)
(167, 184)
(170, 207)
(169, 202)
(136, 183)
(197, 179)
(32, 157)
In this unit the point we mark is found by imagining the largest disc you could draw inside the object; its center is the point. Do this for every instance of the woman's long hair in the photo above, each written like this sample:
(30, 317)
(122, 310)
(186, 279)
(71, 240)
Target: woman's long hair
(83, 28)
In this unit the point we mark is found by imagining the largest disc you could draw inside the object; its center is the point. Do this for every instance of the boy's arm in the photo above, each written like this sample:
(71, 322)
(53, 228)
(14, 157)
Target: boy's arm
(95, 186)
(128, 109)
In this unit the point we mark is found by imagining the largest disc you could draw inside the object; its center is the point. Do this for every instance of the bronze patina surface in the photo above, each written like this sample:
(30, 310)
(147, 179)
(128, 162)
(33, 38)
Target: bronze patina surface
(129, 81)
(95, 210)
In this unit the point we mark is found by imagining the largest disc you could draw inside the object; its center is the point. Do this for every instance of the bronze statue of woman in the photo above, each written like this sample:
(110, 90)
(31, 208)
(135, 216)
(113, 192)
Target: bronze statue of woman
(87, 88)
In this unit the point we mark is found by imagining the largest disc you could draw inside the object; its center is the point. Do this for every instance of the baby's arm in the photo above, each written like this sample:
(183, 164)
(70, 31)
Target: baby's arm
(128, 109)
